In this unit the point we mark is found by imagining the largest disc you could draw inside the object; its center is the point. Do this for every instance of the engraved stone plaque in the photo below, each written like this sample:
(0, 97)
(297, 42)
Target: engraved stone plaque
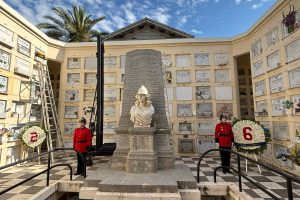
(68, 143)
(170, 93)
(296, 100)
(6, 35)
(90, 63)
(72, 95)
(277, 107)
(90, 78)
(225, 108)
(69, 127)
(256, 48)
(110, 61)
(204, 110)
(221, 59)
(4, 82)
(260, 88)
(73, 79)
(109, 111)
(144, 67)
(71, 112)
(2, 108)
(185, 127)
(186, 145)
(203, 76)
(4, 60)
(281, 155)
(184, 110)
(22, 66)
(272, 37)
(258, 68)
(108, 127)
(109, 78)
(222, 75)
(281, 130)
(110, 94)
(202, 59)
(205, 144)
(166, 60)
(223, 93)
(205, 127)
(293, 51)
(89, 95)
(273, 60)
(122, 61)
(262, 108)
(276, 83)
(184, 93)
(23, 46)
(294, 78)
(183, 76)
(73, 63)
(203, 93)
(182, 60)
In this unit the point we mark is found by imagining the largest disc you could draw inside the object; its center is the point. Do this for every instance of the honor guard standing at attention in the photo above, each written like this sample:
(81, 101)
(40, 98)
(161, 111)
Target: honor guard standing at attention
(82, 141)
(224, 136)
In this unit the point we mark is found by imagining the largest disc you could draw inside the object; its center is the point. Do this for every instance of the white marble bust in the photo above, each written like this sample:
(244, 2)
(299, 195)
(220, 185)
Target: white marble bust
(141, 113)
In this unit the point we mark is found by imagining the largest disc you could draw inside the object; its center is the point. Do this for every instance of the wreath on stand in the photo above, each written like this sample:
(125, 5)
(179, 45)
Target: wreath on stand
(250, 136)
(32, 136)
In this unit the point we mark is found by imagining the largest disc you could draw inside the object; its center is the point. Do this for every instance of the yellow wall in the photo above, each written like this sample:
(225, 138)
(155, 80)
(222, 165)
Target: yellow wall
(233, 47)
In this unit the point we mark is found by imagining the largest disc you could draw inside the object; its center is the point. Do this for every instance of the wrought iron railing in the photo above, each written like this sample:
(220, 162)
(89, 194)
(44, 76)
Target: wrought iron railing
(289, 177)
(49, 167)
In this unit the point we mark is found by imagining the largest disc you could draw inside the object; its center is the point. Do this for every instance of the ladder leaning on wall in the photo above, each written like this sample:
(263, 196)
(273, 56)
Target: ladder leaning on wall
(49, 111)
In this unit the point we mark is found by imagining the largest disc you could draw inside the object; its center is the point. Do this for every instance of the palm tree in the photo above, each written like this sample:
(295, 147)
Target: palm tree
(73, 26)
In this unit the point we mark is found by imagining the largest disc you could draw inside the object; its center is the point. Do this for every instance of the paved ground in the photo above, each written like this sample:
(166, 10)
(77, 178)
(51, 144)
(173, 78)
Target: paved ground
(269, 180)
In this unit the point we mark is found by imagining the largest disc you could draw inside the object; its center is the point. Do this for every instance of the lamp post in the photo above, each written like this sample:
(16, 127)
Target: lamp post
(99, 92)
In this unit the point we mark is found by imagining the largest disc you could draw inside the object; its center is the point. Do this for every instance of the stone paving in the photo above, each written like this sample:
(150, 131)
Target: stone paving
(274, 183)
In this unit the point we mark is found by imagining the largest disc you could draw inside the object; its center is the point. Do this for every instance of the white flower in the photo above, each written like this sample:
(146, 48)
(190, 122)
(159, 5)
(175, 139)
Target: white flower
(34, 136)
(246, 133)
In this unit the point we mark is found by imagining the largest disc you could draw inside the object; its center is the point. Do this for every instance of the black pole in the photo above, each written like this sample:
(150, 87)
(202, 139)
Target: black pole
(239, 173)
(289, 188)
(100, 92)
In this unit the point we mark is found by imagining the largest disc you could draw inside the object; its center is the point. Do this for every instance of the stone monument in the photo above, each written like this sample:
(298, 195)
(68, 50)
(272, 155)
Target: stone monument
(143, 73)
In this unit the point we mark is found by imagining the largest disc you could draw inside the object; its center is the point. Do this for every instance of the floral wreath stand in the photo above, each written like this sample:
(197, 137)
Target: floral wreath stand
(33, 138)
(253, 155)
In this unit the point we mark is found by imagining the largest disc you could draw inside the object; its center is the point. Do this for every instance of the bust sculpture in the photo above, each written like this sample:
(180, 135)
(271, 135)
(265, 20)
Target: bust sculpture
(141, 113)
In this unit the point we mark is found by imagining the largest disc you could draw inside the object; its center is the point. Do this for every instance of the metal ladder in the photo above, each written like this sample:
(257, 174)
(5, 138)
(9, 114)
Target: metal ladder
(49, 111)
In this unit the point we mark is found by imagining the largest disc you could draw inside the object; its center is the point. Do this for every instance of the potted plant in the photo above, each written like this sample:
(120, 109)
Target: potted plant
(289, 20)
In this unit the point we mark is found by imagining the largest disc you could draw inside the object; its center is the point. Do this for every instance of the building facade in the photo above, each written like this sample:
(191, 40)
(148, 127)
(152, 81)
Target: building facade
(247, 76)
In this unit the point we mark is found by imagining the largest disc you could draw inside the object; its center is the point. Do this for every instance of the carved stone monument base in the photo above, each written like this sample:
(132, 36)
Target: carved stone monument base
(141, 157)
(120, 154)
(165, 154)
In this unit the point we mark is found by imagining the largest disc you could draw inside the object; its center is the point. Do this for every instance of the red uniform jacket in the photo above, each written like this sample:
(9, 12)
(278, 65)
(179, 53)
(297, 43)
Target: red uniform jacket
(224, 135)
(82, 139)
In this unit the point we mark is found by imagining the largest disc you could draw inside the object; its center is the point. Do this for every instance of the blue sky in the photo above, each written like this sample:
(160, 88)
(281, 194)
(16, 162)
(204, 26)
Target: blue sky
(201, 18)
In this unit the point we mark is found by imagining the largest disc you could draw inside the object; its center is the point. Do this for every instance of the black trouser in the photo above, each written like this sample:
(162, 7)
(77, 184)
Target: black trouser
(225, 157)
(80, 163)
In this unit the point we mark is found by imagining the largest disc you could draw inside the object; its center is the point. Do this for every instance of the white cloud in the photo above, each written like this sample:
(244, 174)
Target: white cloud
(161, 15)
(237, 2)
(182, 20)
(196, 31)
(258, 5)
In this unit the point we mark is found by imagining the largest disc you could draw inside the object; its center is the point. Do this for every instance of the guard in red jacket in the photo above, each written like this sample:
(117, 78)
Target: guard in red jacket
(224, 136)
(82, 140)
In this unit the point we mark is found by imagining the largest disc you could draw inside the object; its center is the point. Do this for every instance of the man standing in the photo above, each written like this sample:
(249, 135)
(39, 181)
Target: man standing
(224, 136)
(82, 140)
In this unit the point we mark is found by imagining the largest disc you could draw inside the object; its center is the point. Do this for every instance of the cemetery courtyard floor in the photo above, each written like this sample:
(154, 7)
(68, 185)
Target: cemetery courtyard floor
(269, 180)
